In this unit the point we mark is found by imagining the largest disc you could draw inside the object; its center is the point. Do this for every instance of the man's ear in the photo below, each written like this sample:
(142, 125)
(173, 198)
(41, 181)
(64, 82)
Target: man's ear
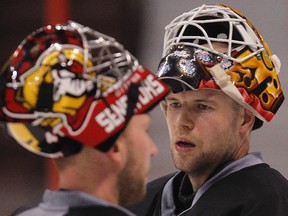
(248, 120)
(118, 151)
(163, 106)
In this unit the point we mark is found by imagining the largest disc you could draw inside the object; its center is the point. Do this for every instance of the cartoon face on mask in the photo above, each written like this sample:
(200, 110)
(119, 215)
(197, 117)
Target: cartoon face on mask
(56, 84)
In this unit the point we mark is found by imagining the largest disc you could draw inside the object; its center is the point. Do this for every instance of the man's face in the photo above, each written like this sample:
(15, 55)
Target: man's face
(141, 148)
(204, 129)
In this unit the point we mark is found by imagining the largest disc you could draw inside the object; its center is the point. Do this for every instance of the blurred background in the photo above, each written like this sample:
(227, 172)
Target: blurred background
(139, 26)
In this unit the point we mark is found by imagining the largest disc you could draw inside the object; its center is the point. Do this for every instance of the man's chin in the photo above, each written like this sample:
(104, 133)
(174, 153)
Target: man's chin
(133, 198)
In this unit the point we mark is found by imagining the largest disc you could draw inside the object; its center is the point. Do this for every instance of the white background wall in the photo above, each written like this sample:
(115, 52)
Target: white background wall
(271, 19)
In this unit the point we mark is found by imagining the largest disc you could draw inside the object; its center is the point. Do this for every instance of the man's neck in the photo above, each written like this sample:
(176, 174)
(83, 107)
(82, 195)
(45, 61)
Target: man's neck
(197, 182)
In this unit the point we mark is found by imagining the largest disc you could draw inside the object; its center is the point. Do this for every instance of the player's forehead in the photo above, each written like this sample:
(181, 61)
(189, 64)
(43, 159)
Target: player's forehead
(199, 94)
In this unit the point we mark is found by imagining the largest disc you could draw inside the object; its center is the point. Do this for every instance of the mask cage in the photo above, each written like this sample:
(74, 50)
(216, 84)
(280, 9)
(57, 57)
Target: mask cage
(192, 29)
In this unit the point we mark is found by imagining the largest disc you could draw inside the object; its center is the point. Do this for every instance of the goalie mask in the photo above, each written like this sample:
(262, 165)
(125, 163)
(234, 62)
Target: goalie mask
(215, 46)
(68, 85)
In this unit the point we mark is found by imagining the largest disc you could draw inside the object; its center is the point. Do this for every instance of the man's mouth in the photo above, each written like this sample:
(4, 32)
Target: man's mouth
(184, 144)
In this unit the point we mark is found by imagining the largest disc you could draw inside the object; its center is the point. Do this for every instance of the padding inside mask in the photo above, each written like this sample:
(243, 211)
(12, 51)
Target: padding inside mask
(218, 30)
(176, 86)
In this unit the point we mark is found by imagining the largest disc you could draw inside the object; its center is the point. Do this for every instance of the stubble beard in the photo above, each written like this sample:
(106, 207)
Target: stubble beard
(191, 165)
(206, 162)
(132, 186)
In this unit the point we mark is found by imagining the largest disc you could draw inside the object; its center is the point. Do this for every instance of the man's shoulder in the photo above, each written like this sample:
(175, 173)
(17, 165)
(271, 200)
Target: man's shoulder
(261, 173)
(95, 210)
(24, 210)
(257, 189)
(260, 176)
(251, 182)
(72, 211)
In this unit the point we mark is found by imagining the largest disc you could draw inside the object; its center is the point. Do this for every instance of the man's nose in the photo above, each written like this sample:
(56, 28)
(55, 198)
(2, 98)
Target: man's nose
(185, 119)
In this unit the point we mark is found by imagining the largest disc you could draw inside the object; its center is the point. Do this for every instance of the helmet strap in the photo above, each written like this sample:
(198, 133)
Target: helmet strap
(132, 94)
(223, 80)
(69, 146)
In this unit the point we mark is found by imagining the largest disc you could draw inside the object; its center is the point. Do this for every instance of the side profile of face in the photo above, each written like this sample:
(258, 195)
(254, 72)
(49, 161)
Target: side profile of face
(134, 176)
(206, 129)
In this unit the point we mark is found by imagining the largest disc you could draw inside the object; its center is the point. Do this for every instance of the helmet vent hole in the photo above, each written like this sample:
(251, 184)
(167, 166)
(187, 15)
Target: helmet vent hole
(265, 98)
(247, 82)
(275, 83)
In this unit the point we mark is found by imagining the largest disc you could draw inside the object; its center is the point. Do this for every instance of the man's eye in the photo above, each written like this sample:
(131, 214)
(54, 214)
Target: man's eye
(202, 107)
(174, 105)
